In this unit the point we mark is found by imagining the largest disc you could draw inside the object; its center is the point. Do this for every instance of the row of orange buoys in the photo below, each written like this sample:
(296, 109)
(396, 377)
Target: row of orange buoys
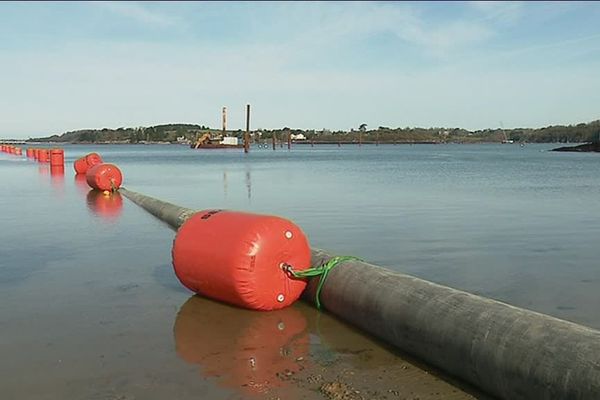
(99, 175)
(55, 157)
(103, 178)
(9, 149)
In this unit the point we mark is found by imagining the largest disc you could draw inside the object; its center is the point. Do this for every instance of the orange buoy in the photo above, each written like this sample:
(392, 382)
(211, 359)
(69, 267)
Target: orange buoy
(57, 157)
(29, 152)
(18, 151)
(84, 163)
(104, 177)
(80, 166)
(44, 155)
(237, 258)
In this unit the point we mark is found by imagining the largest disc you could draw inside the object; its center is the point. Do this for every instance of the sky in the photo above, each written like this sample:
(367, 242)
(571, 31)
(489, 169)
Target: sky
(310, 65)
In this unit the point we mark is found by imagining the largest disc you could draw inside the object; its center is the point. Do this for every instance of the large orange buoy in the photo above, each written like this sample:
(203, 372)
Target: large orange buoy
(84, 163)
(29, 152)
(18, 151)
(237, 258)
(104, 177)
(57, 157)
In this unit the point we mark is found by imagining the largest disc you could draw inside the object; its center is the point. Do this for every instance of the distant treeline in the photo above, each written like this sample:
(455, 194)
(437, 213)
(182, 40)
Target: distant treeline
(159, 133)
(584, 132)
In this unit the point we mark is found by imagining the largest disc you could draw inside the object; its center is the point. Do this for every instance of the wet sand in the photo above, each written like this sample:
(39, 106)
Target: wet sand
(123, 346)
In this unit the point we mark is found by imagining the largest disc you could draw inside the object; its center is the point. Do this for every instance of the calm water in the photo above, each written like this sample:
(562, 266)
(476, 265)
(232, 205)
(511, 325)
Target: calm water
(518, 224)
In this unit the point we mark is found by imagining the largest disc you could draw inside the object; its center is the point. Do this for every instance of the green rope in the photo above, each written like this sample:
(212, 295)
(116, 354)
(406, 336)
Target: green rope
(322, 271)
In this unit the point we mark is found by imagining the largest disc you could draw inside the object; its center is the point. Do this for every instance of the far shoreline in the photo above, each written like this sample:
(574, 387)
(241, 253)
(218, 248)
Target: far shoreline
(303, 143)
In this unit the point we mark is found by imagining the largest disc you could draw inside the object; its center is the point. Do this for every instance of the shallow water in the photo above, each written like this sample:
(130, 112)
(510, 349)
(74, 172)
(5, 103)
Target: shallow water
(90, 308)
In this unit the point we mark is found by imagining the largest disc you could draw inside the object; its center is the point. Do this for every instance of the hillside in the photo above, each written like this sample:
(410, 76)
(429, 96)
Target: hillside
(158, 133)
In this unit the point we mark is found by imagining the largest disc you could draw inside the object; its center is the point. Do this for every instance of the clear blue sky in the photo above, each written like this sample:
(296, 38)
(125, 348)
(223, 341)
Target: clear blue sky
(66, 66)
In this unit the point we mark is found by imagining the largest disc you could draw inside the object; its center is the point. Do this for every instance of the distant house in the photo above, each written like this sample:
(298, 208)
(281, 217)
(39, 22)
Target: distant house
(299, 136)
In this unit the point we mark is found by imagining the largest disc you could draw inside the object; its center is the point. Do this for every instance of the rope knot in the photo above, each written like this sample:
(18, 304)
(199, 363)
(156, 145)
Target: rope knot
(321, 271)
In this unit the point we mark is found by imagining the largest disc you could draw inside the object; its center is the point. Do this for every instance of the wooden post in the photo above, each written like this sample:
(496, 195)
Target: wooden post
(377, 140)
(247, 134)
(360, 139)
(289, 140)
(273, 138)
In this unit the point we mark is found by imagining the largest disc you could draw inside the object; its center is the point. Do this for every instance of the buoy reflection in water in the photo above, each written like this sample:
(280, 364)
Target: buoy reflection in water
(57, 177)
(250, 351)
(81, 183)
(43, 169)
(106, 205)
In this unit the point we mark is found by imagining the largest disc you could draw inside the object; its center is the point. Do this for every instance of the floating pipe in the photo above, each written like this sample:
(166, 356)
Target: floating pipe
(507, 351)
(171, 214)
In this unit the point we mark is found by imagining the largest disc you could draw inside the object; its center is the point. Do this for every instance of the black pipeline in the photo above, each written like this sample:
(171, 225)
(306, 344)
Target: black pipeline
(509, 352)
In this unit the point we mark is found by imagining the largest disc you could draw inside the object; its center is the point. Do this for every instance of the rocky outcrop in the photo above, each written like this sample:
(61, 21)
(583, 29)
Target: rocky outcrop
(588, 147)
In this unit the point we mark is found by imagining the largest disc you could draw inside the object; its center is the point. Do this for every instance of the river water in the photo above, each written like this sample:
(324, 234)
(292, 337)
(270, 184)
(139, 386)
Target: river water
(90, 308)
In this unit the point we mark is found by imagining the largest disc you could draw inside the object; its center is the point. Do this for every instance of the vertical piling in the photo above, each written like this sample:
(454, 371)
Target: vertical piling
(273, 140)
(289, 140)
(247, 134)
(224, 123)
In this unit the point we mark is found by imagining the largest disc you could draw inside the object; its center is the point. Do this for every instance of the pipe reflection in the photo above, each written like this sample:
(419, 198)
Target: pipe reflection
(246, 350)
(249, 185)
(225, 185)
(107, 206)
